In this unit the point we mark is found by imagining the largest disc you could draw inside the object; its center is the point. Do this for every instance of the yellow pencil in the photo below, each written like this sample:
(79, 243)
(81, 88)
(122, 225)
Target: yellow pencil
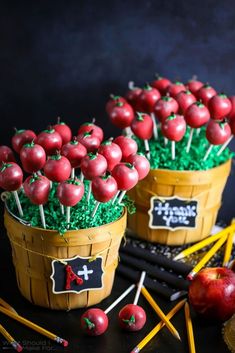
(10, 339)
(189, 327)
(7, 306)
(158, 327)
(204, 242)
(159, 312)
(228, 247)
(207, 257)
(33, 326)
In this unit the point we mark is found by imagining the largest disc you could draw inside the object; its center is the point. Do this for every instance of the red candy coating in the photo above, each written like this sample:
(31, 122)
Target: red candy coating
(64, 131)
(50, 140)
(74, 151)
(132, 317)
(125, 175)
(104, 188)
(22, 137)
(70, 192)
(112, 153)
(127, 145)
(93, 165)
(57, 168)
(174, 127)
(94, 322)
(140, 163)
(6, 154)
(217, 133)
(142, 126)
(33, 157)
(37, 189)
(11, 176)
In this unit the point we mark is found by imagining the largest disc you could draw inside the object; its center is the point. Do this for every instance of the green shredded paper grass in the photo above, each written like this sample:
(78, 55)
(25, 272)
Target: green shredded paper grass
(161, 158)
(81, 214)
(161, 155)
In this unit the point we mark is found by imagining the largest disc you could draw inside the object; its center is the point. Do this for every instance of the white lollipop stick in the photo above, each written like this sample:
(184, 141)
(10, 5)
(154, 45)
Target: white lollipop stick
(189, 140)
(128, 131)
(81, 176)
(166, 141)
(62, 209)
(41, 209)
(68, 214)
(72, 173)
(115, 198)
(140, 285)
(224, 145)
(131, 85)
(198, 131)
(122, 296)
(89, 193)
(121, 196)
(146, 145)
(95, 209)
(208, 152)
(173, 150)
(18, 204)
(155, 130)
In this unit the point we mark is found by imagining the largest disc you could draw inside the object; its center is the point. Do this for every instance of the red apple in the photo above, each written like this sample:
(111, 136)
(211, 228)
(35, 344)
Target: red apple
(174, 88)
(212, 293)
(161, 83)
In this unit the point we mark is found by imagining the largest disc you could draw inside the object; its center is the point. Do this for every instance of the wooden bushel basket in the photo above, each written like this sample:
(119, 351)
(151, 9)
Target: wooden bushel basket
(34, 248)
(205, 187)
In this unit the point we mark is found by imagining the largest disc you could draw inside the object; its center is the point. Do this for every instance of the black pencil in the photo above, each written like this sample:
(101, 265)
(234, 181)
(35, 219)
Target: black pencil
(149, 283)
(155, 272)
(163, 261)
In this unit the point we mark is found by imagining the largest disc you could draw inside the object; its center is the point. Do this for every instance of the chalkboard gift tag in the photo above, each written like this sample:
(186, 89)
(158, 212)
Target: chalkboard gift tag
(172, 213)
(76, 275)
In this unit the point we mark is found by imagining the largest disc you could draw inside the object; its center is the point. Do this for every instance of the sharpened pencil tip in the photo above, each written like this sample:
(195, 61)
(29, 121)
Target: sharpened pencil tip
(177, 336)
(178, 257)
(135, 350)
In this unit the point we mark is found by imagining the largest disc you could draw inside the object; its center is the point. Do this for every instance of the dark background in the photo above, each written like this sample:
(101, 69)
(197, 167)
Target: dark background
(64, 58)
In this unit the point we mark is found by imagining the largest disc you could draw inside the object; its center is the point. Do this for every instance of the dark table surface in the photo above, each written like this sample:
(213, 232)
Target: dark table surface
(208, 336)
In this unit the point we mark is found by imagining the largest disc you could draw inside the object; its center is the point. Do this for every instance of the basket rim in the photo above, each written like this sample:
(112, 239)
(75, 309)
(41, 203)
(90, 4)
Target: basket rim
(72, 231)
(229, 161)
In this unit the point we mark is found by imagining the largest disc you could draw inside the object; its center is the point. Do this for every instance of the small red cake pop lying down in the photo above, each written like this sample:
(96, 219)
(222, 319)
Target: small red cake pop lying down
(37, 189)
(11, 178)
(132, 317)
(94, 321)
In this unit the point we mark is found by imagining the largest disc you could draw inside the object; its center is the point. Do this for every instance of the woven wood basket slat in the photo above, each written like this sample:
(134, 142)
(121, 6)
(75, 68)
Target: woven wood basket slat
(204, 186)
(34, 248)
